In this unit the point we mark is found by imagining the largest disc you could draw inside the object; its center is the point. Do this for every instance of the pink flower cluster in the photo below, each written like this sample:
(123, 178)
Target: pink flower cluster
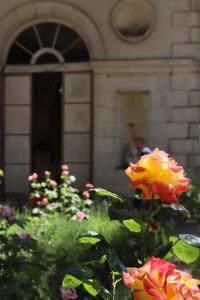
(33, 177)
(7, 213)
(86, 194)
(65, 170)
(68, 294)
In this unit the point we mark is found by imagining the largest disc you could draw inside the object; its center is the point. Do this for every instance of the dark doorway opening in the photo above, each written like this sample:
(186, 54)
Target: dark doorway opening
(46, 122)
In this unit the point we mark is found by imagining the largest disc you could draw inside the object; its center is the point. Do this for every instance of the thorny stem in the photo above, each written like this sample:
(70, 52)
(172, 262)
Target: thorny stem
(114, 284)
(147, 229)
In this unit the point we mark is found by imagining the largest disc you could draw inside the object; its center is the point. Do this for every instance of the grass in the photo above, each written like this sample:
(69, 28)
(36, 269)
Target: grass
(56, 237)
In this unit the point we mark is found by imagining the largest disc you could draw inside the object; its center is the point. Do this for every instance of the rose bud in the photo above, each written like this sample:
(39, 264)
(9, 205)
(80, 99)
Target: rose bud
(154, 226)
(85, 195)
(80, 216)
(89, 186)
(64, 167)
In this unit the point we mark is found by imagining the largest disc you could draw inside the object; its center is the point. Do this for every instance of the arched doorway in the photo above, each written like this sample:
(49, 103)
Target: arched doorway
(47, 108)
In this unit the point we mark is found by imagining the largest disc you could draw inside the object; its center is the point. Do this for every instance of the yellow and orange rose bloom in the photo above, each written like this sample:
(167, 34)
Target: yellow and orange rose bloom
(158, 176)
(160, 280)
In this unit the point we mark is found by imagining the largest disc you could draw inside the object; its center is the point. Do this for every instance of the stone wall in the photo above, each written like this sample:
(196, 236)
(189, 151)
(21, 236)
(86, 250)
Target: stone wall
(173, 86)
(164, 65)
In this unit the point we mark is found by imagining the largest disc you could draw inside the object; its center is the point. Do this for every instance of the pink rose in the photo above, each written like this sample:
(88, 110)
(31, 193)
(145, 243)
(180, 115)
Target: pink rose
(33, 177)
(80, 216)
(85, 195)
(65, 173)
(89, 186)
(47, 173)
(53, 183)
(43, 202)
(64, 167)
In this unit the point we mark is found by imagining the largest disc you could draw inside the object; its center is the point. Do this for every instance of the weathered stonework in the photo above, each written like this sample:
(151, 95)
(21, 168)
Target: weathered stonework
(163, 69)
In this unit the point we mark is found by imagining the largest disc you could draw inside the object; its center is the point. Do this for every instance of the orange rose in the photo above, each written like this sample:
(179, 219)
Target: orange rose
(158, 176)
(160, 280)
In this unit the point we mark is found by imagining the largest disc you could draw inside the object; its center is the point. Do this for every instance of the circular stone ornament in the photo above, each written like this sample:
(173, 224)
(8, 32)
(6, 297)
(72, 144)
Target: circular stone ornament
(133, 20)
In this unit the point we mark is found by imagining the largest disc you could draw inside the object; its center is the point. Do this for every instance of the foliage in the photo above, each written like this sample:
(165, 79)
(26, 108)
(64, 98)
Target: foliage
(151, 233)
(191, 200)
(18, 269)
(58, 249)
(50, 254)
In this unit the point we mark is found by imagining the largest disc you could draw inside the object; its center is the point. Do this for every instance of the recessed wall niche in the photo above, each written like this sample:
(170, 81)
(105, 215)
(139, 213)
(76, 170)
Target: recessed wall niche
(133, 20)
(133, 118)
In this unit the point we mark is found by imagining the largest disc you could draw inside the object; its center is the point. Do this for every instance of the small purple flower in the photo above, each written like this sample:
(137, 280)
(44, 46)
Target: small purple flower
(68, 294)
(25, 236)
(7, 212)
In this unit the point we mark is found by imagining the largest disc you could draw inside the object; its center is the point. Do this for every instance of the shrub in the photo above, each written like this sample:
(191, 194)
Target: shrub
(47, 196)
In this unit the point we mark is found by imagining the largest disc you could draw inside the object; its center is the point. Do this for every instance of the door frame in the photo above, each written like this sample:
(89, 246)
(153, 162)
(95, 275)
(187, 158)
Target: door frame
(16, 74)
(91, 73)
(24, 70)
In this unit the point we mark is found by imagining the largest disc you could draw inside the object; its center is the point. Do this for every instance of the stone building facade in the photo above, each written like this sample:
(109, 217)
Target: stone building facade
(122, 67)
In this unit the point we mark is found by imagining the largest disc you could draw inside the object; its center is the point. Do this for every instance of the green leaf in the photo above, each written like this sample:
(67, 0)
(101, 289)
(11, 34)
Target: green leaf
(70, 281)
(80, 272)
(90, 289)
(132, 225)
(96, 288)
(114, 261)
(104, 193)
(184, 251)
(190, 239)
(163, 250)
(177, 208)
(91, 237)
(95, 252)
(118, 211)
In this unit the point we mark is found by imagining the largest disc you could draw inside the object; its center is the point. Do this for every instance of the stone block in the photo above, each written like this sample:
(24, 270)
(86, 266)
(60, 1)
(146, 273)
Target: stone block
(195, 34)
(163, 82)
(180, 19)
(195, 4)
(194, 18)
(182, 160)
(185, 81)
(77, 88)
(16, 178)
(185, 146)
(194, 130)
(181, 35)
(17, 119)
(176, 130)
(191, 114)
(77, 118)
(17, 149)
(77, 148)
(194, 161)
(180, 5)
(194, 98)
(180, 98)
(82, 174)
(26, 13)
(184, 50)
(17, 90)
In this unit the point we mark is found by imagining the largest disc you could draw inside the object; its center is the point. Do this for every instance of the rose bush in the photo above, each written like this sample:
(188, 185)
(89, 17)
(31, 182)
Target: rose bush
(150, 238)
(48, 196)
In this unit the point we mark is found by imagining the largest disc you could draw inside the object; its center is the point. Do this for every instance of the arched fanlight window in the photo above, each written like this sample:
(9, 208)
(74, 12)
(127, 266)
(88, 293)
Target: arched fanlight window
(46, 43)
